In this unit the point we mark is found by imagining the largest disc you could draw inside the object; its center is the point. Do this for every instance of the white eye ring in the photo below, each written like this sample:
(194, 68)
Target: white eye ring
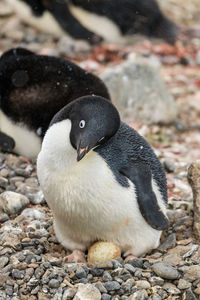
(82, 124)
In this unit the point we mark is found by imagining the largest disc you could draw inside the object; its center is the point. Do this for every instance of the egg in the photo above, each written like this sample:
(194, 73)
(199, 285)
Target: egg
(103, 251)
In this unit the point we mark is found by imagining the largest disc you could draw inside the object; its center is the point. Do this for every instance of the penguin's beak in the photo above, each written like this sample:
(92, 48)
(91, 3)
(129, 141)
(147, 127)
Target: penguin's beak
(81, 152)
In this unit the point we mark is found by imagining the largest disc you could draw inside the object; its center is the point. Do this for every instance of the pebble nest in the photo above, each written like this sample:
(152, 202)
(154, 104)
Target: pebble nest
(33, 266)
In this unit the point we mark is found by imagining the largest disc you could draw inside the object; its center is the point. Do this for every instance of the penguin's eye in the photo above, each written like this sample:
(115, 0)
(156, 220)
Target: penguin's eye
(82, 124)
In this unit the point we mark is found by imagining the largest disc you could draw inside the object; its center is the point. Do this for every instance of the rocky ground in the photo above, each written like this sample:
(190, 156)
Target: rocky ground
(32, 262)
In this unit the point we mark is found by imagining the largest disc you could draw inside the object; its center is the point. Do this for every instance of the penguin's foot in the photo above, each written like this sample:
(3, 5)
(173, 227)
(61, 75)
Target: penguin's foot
(76, 256)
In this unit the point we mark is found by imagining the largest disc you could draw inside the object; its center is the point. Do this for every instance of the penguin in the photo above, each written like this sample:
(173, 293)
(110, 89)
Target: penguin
(101, 179)
(33, 88)
(96, 20)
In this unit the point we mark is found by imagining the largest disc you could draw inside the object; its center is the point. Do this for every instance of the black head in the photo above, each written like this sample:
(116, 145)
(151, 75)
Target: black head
(94, 120)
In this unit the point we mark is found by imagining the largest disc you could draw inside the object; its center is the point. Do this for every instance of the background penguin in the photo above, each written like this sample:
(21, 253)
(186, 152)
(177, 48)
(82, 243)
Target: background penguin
(101, 179)
(33, 88)
(92, 20)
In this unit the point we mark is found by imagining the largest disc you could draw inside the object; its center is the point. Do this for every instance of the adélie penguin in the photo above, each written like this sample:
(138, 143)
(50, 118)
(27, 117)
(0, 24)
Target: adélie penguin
(101, 179)
(33, 88)
(93, 20)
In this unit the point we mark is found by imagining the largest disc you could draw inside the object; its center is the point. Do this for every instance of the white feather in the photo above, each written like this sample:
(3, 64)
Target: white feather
(88, 204)
(46, 22)
(27, 142)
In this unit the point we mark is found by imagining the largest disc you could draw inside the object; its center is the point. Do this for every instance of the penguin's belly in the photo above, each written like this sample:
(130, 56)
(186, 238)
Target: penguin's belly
(89, 204)
(98, 24)
(45, 23)
(27, 142)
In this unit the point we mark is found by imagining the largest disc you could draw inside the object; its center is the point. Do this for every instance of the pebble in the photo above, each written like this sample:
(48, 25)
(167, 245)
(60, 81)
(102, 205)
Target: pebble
(154, 280)
(130, 268)
(33, 213)
(106, 276)
(87, 292)
(112, 285)
(12, 202)
(183, 284)
(37, 198)
(169, 242)
(3, 261)
(3, 218)
(3, 182)
(165, 271)
(171, 288)
(143, 284)
(80, 273)
(136, 262)
(139, 295)
(17, 274)
(54, 283)
(191, 273)
(169, 166)
(105, 297)
(69, 293)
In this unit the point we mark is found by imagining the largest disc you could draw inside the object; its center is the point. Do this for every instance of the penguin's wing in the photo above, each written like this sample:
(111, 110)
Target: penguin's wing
(6, 142)
(61, 12)
(139, 172)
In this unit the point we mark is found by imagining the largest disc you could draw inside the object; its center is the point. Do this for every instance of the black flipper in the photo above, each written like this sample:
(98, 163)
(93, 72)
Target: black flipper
(61, 12)
(6, 142)
(140, 174)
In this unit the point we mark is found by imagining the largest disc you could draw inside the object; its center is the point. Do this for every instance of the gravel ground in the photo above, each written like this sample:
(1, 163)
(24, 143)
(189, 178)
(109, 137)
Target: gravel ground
(32, 262)
(33, 266)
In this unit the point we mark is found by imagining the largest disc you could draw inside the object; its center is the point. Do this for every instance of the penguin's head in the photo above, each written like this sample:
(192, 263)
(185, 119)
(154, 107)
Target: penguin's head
(93, 119)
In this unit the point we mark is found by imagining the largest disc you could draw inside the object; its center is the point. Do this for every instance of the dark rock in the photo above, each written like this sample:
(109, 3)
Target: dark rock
(112, 285)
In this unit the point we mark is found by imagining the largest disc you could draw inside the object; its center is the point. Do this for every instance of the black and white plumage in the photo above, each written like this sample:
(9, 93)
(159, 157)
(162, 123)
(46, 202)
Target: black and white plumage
(33, 88)
(101, 179)
(94, 20)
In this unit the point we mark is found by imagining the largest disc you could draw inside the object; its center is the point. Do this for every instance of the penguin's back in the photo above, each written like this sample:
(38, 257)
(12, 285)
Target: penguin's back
(126, 145)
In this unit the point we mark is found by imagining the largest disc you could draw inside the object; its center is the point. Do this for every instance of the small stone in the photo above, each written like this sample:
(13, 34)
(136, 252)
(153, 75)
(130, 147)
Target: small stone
(136, 262)
(143, 284)
(80, 273)
(112, 285)
(87, 291)
(128, 284)
(130, 268)
(173, 259)
(33, 213)
(96, 272)
(171, 288)
(100, 287)
(156, 297)
(169, 166)
(197, 291)
(139, 295)
(12, 202)
(154, 280)
(54, 283)
(192, 273)
(3, 182)
(165, 271)
(16, 274)
(4, 172)
(3, 218)
(106, 276)
(37, 198)
(69, 293)
(105, 297)
(183, 284)
(189, 295)
(169, 242)
(3, 261)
